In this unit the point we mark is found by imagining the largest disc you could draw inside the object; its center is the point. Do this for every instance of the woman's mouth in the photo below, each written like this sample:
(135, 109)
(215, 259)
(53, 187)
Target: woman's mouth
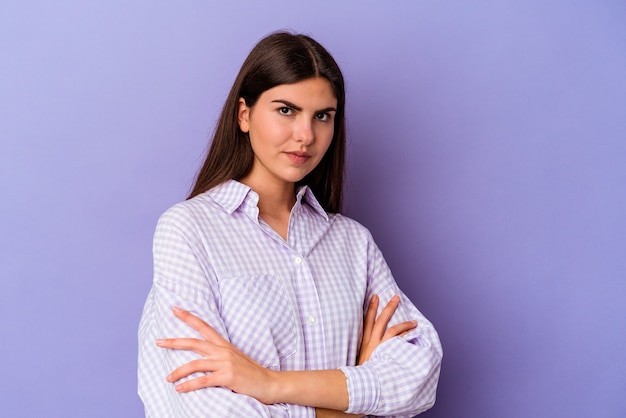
(298, 157)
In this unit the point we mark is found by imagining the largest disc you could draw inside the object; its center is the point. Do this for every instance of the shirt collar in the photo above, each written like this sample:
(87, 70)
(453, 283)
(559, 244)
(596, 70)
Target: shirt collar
(306, 194)
(231, 195)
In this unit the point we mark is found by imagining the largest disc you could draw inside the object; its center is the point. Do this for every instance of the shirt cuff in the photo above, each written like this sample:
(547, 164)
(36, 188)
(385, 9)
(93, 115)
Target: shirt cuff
(363, 389)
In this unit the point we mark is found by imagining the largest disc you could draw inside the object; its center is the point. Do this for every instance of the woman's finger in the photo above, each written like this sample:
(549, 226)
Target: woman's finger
(207, 331)
(192, 367)
(385, 315)
(370, 318)
(206, 381)
(399, 329)
(190, 344)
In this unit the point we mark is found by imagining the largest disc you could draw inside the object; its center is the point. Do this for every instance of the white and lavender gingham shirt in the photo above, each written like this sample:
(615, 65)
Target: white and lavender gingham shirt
(289, 305)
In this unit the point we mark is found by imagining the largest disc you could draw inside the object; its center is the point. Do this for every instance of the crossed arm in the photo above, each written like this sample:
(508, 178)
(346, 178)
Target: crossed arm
(326, 390)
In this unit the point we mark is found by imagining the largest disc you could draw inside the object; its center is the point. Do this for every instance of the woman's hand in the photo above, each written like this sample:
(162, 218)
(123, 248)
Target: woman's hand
(375, 330)
(229, 367)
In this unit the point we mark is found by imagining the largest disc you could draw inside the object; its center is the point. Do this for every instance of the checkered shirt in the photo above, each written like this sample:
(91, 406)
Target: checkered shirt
(289, 305)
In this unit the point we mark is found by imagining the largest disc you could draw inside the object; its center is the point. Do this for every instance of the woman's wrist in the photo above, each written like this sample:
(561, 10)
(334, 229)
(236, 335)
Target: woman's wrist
(315, 388)
(277, 387)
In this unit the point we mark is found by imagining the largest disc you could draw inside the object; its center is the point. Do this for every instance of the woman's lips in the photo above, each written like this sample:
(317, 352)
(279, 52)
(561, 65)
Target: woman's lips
(298, 157)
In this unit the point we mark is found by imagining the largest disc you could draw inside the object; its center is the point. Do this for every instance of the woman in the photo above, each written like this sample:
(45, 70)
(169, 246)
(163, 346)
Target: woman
(280, 279)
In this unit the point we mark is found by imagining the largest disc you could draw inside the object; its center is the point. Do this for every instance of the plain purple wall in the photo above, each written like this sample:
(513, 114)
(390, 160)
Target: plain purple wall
(487, 156)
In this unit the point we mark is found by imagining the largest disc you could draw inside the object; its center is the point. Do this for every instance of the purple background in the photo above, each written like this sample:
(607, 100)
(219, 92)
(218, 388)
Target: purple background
(487, 156)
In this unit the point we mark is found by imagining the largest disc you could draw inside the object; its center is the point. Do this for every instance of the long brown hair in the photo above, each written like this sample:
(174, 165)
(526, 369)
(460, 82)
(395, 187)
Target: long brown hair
(280, 58)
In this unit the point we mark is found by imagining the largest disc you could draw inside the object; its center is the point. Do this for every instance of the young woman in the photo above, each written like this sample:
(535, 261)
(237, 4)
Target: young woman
(272, 294)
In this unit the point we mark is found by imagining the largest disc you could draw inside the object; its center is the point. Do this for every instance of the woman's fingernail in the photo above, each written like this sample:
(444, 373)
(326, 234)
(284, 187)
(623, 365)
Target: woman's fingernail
(414, 322)
(177, 310)
(374, 298)
(169, 378)
(160, 342)
(395, 298)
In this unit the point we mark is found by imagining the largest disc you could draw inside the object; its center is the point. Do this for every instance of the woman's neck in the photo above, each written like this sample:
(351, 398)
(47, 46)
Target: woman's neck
(275, 203)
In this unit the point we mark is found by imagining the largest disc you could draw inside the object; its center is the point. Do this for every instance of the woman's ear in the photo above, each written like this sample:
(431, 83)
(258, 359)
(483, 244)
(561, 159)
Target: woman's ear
(243, 116)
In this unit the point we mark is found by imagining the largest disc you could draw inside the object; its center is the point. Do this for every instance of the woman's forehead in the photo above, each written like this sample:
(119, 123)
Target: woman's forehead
(312, 91)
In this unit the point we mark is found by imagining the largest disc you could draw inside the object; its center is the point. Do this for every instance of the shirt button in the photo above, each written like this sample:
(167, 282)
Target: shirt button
(310, 320)
(298, 260)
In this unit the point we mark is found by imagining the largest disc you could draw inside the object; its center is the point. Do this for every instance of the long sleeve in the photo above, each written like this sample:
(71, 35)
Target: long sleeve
(182, 278)
(400, 378)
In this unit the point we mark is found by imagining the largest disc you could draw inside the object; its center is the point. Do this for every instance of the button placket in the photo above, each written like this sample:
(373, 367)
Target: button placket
(299, 261)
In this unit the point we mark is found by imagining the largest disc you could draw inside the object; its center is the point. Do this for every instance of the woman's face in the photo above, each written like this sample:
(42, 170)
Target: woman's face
(290, 127)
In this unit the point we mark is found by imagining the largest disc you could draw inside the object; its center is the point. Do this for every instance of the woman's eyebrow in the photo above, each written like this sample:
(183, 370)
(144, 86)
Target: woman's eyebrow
(288, 104)
(298, 108)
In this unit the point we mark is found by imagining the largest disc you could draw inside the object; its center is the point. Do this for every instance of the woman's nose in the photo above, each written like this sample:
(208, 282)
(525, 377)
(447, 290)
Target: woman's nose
(304, 132)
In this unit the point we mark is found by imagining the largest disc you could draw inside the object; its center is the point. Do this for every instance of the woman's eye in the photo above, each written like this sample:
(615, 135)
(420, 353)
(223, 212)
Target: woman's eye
(287, 111)
(323, 117)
